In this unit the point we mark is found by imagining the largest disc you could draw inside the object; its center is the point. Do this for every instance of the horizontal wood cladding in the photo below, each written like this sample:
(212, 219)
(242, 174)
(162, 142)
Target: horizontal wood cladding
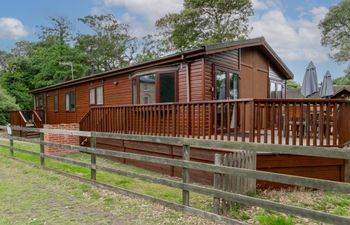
(182, 82)
(317, 167)
(228, 59)
(196, 80)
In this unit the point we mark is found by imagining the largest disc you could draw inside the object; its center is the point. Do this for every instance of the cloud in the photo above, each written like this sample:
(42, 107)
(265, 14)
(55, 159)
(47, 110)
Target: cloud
(150, 9)
(293, 39)
(12, 28)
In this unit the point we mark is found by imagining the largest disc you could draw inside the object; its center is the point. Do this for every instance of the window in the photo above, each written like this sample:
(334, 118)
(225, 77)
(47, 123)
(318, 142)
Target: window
(55, 103)
(96, 96)
(276, 89)
(70, 101)
(99, 95)
(152, 88)
(167, 87)
(226, 84)
(92, 96)
(40, 101)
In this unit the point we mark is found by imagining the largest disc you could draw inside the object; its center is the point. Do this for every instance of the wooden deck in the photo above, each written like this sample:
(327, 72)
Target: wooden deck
(310, 122)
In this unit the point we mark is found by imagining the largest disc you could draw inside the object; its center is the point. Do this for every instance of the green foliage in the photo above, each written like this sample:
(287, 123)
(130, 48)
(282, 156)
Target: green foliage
(206, 22)
(335, 29)
(150, 48)
(292, 84)
(345, 80)
(265, 218)
(7, 104)
(109, 47)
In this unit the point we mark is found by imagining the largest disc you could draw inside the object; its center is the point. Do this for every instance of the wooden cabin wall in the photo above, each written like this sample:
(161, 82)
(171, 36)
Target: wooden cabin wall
(117, 90)
(227, 59)
(254, 74)
(254, 77)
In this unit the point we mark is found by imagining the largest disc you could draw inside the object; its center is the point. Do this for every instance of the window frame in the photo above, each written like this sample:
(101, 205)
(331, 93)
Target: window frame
(70, 108)
(55, 103)
(276, 82)
(136, 81)
(227, 74)
(95, 94)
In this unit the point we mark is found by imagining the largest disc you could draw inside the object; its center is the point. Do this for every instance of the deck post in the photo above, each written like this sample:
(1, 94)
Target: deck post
(42, 150)
(93, 159)
(347, 171)
(185, 175)
(217, 181)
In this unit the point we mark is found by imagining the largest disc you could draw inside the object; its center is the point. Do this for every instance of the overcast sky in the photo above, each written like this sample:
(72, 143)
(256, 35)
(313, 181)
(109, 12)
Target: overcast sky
(290, 26)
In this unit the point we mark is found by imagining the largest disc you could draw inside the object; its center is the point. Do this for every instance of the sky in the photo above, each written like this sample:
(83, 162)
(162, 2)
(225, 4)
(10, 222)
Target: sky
(289, 26)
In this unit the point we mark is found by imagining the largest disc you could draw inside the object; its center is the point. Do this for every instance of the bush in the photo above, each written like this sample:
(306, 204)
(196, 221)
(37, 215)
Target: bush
(7, 104)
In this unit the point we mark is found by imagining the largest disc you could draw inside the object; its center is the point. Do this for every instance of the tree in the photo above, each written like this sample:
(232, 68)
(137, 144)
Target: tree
(7, 104)
(111, 45)
(206, 22)
(59, 30)
(292, 84)
(148, 48)
(335, 29)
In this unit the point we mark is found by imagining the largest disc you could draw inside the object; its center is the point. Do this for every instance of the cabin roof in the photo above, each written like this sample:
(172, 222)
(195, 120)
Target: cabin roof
(182, 56)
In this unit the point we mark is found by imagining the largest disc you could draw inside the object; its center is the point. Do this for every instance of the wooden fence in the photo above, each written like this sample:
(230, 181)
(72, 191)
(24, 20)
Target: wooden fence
(220, 170)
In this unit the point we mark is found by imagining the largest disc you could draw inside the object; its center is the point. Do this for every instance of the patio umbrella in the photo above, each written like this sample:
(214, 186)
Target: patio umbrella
(327, 86)
(309, 85)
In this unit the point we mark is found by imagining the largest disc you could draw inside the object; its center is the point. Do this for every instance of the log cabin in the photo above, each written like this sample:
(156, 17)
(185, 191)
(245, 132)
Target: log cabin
(230, 91)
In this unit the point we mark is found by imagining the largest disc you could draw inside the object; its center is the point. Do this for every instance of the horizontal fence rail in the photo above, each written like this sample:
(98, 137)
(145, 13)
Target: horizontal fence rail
(185, 164)
(273, 121)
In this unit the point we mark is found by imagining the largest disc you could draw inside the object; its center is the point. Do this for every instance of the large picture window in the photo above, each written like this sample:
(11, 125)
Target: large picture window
(96, 96)
(154, 88)
(70, 101)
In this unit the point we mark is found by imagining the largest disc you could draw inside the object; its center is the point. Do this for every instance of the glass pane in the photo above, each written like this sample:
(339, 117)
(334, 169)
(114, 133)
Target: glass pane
(220, 85)
(55, 103)
(167, 87)
(147, 89)
(233, 86)
(99, 95)
(272, 90)
(134, 92)
(67, 102)
(92, 96)
(279, 91)
(72, 101)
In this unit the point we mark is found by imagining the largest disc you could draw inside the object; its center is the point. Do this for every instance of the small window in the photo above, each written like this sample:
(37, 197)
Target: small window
(96, 96)
(99, 95)
(276, 89)
(55, 103)
(70, 102)
(92, 96)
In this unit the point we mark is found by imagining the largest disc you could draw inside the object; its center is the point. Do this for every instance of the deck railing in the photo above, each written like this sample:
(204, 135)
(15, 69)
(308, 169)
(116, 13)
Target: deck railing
(276, 121)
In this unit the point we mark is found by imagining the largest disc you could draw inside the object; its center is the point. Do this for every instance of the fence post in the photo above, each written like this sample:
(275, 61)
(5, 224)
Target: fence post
(185, 175)
(42, 150)
(93, 159)
(217, 181)
(10, 132)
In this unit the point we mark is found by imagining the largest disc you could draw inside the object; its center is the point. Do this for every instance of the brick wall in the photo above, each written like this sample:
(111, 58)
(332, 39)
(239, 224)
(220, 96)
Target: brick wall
(60, 138)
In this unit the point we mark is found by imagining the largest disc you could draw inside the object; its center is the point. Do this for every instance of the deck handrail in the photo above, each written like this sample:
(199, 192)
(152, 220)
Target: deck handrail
(282, 121)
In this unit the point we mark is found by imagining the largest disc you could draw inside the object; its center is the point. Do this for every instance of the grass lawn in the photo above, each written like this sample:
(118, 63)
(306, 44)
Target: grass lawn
(338, 204)
(33, 196)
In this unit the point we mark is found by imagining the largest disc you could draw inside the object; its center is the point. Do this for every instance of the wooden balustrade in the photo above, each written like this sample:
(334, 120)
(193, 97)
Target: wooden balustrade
(276, 121)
